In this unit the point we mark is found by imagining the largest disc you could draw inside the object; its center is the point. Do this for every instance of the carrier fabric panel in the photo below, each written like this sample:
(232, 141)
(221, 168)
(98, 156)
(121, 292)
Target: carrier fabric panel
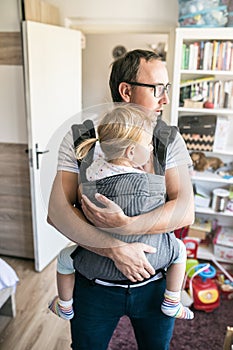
(198, 132)
(135, 193)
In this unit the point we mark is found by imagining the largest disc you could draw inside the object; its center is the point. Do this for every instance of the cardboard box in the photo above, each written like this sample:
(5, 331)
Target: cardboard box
(192, 232)
(188, 103)
(223, 252)
(202, 225)
(223, 244)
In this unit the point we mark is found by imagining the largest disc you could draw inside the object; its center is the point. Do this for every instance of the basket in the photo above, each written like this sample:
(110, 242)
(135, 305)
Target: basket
(198, 131)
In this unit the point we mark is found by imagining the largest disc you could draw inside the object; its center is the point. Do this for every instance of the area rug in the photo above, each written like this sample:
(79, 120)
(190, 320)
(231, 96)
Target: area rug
(205, 331)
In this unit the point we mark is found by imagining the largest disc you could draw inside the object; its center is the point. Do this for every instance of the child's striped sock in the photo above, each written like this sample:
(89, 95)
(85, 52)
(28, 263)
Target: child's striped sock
(172, 306)
(62, 308)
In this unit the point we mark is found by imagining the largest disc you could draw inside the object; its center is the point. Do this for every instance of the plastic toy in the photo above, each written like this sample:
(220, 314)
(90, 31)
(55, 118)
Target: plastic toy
(203, 291)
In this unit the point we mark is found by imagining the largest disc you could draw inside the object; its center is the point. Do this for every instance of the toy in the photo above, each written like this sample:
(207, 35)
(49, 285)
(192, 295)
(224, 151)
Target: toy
(202, 163)
(225, 281)
(225, 286)
(208, 104)
(203, 291)
(203, 288)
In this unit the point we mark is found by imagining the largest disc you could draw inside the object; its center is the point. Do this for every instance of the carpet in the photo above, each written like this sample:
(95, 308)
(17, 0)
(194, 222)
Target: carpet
(205, 331)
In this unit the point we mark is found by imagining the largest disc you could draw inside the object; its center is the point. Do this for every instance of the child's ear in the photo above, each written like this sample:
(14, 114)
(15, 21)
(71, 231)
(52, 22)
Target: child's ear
(129, 152)
(125, 91)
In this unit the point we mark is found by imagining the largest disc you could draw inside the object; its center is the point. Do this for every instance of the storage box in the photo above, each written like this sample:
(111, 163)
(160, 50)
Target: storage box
(196, 233)
(223, 243)
(198, 131)
(192, 104)
(200, 228)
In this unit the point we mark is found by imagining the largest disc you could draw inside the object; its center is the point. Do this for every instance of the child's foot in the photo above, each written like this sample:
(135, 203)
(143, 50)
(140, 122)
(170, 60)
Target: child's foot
(172, 307)
(61, 308)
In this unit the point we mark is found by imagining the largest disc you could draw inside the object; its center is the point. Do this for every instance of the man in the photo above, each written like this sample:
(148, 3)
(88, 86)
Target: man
(139, 77)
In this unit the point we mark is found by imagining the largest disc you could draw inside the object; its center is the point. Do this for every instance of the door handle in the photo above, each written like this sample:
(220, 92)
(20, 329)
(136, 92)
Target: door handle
(37, 155)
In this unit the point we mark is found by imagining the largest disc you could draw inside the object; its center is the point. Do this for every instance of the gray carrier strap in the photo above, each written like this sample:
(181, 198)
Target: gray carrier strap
(163, 135)
(82, 132)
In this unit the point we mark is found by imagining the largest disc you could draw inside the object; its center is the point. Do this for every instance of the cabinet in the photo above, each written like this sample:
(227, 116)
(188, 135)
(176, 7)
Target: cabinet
(211, 72)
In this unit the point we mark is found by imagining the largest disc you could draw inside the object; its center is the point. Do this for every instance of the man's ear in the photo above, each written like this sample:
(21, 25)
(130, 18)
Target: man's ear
(125, 91)
(129, 152)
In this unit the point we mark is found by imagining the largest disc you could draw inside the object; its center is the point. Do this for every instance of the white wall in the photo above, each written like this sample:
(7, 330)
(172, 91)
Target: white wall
(163, 12)
(97, 60)
(12, 111)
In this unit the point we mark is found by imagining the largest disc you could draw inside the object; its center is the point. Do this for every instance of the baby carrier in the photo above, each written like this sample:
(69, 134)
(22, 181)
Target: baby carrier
(130, 192)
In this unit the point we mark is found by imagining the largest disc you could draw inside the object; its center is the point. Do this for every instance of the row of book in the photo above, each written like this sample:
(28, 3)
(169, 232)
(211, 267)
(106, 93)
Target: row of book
(207, 55)
(217, 92)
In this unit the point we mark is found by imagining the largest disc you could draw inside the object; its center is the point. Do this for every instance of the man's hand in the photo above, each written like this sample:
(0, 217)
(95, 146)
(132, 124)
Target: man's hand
(112, 216)
(131, 260)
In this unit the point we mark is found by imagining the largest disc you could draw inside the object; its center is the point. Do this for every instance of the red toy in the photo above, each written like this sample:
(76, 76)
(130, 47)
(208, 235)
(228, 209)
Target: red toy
(202, 288)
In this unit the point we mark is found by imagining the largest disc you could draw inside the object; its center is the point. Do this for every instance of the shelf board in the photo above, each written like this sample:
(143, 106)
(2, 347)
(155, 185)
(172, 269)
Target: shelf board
(199, 72)
(227, 152)
(202, 210)
(219, 111)
(207, 253)
(210, 177)
(218, 33)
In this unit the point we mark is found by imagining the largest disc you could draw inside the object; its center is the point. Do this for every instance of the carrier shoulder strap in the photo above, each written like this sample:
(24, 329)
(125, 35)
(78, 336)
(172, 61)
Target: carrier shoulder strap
(163, 135)
(82, 132)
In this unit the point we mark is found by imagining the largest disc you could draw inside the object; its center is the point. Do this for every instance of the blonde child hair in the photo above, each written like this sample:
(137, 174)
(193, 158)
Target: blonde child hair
(118, 129)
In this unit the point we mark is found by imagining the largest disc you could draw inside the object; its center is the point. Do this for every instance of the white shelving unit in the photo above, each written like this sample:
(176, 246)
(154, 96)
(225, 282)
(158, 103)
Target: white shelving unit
(207, 179)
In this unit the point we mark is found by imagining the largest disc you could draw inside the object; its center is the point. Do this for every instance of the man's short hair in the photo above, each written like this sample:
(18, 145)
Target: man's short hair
(126, 68)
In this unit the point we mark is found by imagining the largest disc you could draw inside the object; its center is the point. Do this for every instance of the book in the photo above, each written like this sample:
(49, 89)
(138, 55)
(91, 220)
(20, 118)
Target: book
(220, 59)
(189, 82)
(215, 54)
(201, 55)
(231, 59)
(228, 54)
(183, 56)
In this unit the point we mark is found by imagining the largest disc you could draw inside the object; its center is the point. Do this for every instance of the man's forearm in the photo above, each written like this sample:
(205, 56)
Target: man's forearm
(71, 222)
(166, 218)
(73, 226)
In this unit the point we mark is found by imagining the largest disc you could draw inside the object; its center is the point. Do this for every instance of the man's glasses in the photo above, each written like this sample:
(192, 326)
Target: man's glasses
(159, 89)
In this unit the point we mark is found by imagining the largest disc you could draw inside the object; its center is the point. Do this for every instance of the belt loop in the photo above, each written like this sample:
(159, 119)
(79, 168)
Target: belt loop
(128, 289)
(164, 273)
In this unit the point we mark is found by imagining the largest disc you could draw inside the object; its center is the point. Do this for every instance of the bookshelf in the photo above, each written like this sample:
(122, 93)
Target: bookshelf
(211, 71)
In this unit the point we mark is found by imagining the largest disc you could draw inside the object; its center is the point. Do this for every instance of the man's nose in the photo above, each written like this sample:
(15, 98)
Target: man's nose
(165, 98)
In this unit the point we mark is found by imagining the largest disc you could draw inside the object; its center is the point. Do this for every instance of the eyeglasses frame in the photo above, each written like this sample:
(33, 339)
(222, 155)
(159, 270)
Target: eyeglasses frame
(165, 87)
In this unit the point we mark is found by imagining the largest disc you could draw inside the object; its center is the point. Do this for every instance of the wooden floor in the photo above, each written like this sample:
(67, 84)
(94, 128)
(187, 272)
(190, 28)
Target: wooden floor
(34, 327)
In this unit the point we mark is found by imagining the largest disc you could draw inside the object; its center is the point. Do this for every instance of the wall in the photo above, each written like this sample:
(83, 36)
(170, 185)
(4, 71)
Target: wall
(98, 53)
(150, 10)
(12, 116)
